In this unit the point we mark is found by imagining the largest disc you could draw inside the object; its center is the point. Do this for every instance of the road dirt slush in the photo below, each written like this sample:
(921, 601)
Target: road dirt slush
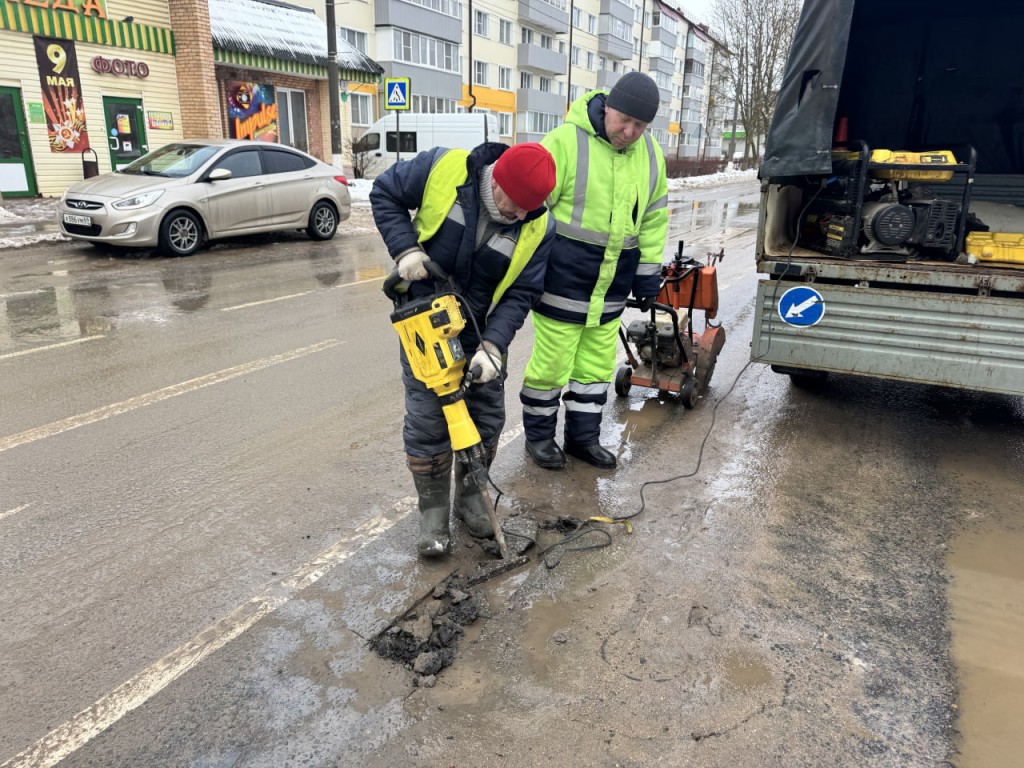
(782, 600)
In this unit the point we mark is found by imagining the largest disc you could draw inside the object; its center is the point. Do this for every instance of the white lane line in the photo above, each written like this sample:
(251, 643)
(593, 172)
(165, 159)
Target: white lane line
(265, 301)
(294, 295)
(48, 347)
(73, 422)
(14, 511)
(90, 722)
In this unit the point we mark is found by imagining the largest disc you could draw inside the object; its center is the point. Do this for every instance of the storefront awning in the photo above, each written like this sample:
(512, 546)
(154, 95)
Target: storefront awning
(276, 36)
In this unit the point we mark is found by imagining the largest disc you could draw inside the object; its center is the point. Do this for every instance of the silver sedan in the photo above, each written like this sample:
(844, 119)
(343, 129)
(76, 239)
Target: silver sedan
(186, 193)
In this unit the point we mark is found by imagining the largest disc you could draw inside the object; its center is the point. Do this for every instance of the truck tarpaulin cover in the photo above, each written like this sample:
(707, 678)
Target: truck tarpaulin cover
(911, 75)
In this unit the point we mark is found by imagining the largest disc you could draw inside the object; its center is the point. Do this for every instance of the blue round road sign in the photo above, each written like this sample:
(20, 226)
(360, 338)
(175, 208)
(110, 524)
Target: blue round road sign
(801, 306)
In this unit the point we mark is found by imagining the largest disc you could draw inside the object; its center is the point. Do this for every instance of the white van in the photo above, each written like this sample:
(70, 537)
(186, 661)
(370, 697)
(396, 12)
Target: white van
(380, 147)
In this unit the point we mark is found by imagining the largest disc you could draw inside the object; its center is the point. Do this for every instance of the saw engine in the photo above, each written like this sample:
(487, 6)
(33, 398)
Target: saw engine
(671, 356)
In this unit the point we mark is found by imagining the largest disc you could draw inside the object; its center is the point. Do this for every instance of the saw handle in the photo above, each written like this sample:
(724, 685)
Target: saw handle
(395, 287)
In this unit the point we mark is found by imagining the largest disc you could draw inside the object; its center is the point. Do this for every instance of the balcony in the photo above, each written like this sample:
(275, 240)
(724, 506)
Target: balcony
(538, 13)
(663, 36)
(618, 8)
(532, 100)
(614, 47)
(543, 60)
(606, 78)
(416, 17)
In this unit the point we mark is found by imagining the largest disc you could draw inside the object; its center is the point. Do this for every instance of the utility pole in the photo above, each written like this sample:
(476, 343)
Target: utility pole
(568, 58)
(333, 87)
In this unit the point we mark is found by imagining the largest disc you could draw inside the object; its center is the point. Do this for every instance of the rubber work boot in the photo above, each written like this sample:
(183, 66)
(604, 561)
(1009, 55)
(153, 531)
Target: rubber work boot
(546, 453)
(592, 454)
(471, 503)
(433, 485)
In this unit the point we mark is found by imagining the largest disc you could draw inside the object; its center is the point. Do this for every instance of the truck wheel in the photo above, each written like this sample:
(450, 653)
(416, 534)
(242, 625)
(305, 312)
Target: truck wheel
(622, 380)
(181, 233)
(689, 393)
(323, 221)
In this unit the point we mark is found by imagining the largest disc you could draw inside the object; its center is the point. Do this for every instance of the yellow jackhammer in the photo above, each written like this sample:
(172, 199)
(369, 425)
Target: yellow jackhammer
(429, 329)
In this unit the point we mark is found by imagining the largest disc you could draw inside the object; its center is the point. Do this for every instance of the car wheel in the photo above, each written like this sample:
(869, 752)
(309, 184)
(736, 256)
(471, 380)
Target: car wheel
(181, 233)
(323, 221)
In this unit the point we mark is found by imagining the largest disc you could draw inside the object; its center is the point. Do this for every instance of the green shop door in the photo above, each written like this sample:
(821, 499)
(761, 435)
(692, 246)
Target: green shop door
(17, 176)
(126, 131)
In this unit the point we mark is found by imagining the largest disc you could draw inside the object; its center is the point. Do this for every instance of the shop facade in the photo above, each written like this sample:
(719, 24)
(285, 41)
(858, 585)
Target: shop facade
(259, 71)
(86, 86)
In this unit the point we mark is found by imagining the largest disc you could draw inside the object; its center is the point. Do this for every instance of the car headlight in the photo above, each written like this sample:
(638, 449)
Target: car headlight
(137, 201)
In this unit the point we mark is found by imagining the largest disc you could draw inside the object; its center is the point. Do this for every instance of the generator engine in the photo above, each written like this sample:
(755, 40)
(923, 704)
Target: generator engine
(907, 226)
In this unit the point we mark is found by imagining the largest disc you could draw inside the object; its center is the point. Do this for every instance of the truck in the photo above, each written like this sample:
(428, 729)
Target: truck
(890, 237)
(382, 146)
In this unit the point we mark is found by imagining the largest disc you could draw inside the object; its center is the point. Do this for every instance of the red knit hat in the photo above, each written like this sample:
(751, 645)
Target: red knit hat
(526, 173)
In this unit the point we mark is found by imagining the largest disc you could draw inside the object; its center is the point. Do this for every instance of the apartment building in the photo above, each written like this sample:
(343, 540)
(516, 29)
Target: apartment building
(526, 60)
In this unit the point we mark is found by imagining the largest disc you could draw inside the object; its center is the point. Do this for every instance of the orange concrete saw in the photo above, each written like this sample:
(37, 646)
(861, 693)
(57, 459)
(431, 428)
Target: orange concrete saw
(664, 351)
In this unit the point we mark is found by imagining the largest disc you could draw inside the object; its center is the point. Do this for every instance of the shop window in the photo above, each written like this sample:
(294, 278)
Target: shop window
(291, 115)
(242, 164)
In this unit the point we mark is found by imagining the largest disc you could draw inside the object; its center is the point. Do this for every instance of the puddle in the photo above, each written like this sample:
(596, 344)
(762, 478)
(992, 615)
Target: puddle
(745, 671)
(987, 601)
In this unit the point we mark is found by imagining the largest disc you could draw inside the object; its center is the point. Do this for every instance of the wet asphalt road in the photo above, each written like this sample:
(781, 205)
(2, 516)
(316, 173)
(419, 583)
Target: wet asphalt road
(205, 517)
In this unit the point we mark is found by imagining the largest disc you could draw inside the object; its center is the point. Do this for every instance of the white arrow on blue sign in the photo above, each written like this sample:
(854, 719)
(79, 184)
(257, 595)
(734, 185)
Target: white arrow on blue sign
(801, 306)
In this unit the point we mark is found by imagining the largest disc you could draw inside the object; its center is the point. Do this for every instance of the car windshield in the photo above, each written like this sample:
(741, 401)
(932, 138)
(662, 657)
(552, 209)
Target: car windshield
(173, 160)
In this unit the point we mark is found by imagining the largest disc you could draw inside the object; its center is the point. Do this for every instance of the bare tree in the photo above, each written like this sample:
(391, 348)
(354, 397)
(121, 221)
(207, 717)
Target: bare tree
(758, 35)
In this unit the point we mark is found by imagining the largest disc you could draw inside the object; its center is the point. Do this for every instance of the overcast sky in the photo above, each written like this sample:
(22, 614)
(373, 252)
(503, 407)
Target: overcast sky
(701, 9)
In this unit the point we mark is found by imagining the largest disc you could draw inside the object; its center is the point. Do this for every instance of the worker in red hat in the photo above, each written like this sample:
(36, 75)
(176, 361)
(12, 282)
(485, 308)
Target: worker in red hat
(480, 216)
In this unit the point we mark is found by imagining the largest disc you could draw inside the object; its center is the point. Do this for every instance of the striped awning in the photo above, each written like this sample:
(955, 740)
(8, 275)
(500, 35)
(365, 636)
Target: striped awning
(20, 17)
(270, 35)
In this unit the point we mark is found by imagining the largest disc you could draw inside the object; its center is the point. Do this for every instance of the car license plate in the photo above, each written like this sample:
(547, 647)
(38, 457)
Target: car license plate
(85, 221)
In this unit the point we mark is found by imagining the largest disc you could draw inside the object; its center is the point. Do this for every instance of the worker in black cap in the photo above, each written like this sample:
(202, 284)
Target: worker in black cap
(610, 205)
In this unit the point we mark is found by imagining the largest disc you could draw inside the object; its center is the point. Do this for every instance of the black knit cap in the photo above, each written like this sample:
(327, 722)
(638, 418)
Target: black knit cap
(635, 94)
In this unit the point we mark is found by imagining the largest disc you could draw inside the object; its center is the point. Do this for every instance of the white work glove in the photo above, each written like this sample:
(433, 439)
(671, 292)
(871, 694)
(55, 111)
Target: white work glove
(488, 360)
(411, 265)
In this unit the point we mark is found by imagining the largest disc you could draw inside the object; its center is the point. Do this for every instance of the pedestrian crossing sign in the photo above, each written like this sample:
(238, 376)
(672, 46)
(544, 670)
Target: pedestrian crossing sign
(396, 93)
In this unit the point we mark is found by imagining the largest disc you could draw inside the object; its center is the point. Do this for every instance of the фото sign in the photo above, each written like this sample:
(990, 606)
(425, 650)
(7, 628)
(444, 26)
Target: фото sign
(127, 67)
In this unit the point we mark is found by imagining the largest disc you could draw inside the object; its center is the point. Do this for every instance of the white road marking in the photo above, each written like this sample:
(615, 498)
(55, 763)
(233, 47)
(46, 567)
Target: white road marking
(90, 722)
(48, 347)
(293, 296)
(14, 511)
(73, 422)
(265, 301)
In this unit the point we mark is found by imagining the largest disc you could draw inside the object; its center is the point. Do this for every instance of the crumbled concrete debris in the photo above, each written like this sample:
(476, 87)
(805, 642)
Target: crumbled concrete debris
(426, 638)
(432, 662)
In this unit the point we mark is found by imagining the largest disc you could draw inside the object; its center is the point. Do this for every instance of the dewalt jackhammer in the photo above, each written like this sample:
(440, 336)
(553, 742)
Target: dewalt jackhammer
(429, 329)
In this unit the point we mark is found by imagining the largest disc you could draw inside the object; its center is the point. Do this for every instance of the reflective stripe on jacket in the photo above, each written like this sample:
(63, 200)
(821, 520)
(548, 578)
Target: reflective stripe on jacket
(611, 217)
